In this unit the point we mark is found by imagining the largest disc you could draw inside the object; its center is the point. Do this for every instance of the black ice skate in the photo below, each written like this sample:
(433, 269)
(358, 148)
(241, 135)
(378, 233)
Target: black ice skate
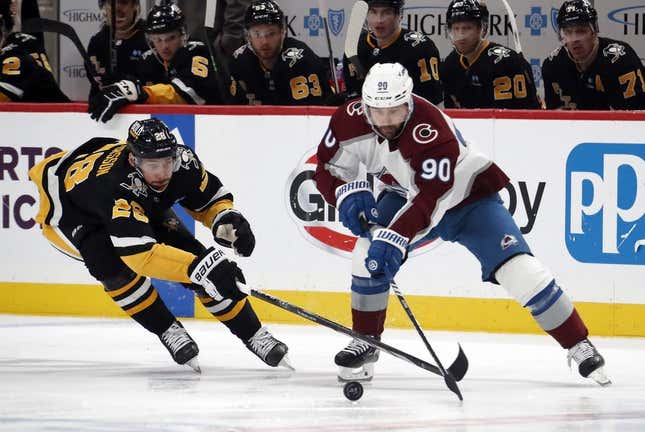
(181, 346)
(590, 362)
(356, 361)
(270, 350)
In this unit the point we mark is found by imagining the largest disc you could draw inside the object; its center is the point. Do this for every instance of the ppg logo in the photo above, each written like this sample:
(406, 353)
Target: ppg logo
(606, 203)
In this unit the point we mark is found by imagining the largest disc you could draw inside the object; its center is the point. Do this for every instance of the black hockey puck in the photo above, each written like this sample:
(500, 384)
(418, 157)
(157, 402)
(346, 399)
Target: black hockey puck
(353, 390)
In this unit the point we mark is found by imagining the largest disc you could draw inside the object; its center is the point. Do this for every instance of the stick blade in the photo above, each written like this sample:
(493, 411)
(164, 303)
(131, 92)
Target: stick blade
(459, 367)
(355, 27)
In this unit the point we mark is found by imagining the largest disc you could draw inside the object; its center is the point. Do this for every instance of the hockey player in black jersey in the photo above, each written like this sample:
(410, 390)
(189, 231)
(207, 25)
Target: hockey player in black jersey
(387, 42)
(26, 75)
(173, 71)
(479, 73)
(589, 72)
(131, 43)
(273, 69)
(108, 203)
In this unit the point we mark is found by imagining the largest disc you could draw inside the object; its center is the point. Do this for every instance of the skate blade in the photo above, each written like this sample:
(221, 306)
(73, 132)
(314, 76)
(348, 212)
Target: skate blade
(286, 363)
(600, 377)
(194, 364)
(363, 374)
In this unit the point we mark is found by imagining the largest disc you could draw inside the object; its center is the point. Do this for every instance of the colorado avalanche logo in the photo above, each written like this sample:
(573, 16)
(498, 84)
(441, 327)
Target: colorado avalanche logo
(615, 51)
(292, 55)
(137, 186)
(424, 134)
(317, 221)
(355, 108)
(415, 38)
(499, 52)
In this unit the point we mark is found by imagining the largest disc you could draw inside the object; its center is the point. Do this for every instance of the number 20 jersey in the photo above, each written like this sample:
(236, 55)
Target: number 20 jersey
(430, 164)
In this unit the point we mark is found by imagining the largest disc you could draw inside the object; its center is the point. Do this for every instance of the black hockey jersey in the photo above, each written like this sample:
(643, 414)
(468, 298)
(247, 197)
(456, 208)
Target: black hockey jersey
(128, 52)
(299, 76)
(497, 78)
(614, 80)
(188, 78)
(96, 186)
(414, 50)
(26, 74)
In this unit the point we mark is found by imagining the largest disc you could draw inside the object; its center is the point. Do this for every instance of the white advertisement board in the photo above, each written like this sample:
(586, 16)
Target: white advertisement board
(576, 192)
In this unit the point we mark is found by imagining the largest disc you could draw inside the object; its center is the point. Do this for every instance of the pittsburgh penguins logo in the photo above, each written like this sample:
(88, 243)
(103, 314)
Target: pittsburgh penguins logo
(415, 38)
(499, 52)
(185, 159)
(137, 186)
(292, 55)
(614, 52)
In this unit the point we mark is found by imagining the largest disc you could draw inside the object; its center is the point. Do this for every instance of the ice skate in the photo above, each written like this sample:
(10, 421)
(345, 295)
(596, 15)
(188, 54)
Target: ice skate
(181, 346)
(356, 361)
(590, 362)
(270, 350)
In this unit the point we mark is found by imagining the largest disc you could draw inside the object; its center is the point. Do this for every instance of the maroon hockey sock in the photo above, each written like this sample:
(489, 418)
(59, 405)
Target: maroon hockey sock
(570, 332)
(369, 323)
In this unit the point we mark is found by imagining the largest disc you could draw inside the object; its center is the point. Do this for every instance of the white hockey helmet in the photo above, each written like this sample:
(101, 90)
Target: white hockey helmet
(387, 85)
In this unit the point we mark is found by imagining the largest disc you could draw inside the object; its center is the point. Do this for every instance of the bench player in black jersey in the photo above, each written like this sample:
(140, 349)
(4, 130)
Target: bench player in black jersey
(387, 42)
(479, 73)
(174, 71)
(273, 69)
(25, 73)
(589, 72)
(108, 203)
(131, 43)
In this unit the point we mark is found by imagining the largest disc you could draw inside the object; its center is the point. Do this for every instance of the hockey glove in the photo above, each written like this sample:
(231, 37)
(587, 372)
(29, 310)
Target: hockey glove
(113, 97)
(217, 275)
(355, 200)
(231, 229)
(385, 253)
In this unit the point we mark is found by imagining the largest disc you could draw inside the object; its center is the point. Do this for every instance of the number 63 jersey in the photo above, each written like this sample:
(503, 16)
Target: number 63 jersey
(430, 164)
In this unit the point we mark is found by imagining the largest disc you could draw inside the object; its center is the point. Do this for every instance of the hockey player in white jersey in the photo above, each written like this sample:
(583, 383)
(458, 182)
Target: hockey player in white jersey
(435, 185)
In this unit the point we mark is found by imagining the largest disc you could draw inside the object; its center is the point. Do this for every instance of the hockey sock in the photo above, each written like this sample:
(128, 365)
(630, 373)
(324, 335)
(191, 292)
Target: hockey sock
(369, 304)
(239, 317)
(554, 312)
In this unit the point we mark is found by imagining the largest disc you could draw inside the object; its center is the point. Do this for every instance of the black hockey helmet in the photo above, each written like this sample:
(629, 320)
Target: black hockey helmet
(263, 12)
(577, 12)
(150, 138)
(397, 5)
(467, 10)
(165, 19)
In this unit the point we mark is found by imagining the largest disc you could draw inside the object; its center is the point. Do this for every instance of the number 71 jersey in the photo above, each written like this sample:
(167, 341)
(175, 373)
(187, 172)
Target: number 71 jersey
(430, 164)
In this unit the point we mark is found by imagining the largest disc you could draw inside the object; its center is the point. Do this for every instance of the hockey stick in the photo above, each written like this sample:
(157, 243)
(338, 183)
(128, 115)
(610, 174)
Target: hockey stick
(458, 373)
(513, 21)
(113, 55)
(354, 29)
(461, 363)
(332, 64)
(222, 74)
(52, 26)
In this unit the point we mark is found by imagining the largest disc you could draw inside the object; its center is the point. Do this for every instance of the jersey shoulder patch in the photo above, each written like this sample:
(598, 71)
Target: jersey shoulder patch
(135, 184)
(186, 159)
(498, 53)
(238, 52)
(147, 54)
(414, 38)
(614, 51)
(292, 55)
(553, 54)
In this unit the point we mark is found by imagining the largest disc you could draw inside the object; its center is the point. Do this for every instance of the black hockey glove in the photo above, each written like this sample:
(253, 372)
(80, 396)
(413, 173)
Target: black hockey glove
(113, 97)
(231, 229)
(217, 275)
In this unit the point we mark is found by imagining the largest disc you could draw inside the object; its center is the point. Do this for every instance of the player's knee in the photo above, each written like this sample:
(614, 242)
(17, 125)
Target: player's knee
(122, 279)
(524, 277)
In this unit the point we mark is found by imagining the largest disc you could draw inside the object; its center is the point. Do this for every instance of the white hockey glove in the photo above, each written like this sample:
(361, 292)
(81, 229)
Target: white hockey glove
(113, 97)
(217, 275)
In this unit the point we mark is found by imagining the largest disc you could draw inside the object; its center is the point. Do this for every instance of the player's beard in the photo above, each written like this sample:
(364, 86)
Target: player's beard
(389, 132)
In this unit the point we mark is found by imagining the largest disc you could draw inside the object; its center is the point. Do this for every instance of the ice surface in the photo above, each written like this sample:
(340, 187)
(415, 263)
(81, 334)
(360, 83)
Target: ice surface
(72, 374)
